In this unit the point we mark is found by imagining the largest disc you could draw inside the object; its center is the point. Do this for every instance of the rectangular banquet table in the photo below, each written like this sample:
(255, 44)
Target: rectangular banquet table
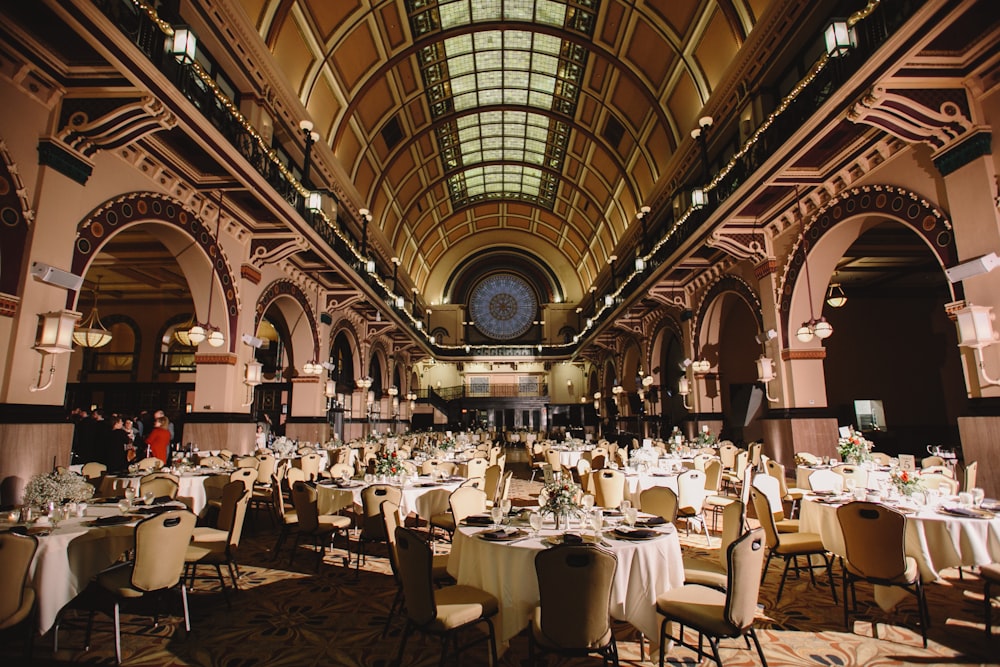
(645, 570)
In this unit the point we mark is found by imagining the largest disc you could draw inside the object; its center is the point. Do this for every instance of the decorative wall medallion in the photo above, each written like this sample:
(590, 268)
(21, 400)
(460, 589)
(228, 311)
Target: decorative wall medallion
(503, 306)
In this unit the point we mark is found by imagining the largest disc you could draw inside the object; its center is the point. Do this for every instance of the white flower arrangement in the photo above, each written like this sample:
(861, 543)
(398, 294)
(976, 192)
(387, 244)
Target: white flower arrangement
(643, 455)
(561, 496)
(855, 448)
(57, 487)
(282, 446)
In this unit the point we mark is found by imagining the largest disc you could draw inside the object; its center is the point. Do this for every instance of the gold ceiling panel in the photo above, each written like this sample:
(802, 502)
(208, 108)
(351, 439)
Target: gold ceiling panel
(292, 52)
(330, 15)
(716, 49)
(355, 55)
(323, 106)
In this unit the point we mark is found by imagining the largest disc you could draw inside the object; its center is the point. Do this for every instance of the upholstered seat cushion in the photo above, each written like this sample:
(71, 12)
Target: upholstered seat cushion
(206, 534)
(458, 605)
(444, 520)
(546, 642)
(334, 521)
(787, 526)
(118, 580)
(206, 552)
(908, 577)
(698, 606)
(705, 573)
(800, 543)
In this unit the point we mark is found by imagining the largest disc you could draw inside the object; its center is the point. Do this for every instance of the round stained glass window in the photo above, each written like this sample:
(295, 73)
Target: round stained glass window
(503, 306)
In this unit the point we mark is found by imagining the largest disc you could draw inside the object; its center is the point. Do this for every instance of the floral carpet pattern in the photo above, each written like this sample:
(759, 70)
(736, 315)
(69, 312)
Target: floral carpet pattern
(291, 615)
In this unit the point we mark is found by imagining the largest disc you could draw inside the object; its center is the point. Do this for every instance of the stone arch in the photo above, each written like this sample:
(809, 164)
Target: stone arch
(709, 314)
(15, 216)
(150, 207)
(346, 373)
(291, 301)
(837, 224)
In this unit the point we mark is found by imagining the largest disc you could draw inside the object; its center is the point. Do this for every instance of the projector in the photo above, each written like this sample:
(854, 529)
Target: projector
(53, 276)
(973, 267)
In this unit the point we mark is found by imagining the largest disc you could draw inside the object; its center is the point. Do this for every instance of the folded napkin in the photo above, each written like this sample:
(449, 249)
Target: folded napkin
(651, 521)
(572, 538)
(113, 520)
(478, 520)
(965, 512)
(40, 531)
(160, 509)
(500, 533)
(635, 533)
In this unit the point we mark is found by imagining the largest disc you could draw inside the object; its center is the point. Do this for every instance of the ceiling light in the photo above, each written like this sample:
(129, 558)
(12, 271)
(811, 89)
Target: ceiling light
(835, 296)
(91, 332)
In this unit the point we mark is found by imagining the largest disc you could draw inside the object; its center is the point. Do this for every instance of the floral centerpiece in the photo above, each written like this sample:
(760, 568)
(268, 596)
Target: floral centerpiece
(283, 446)
(57, 487)
(906, 483)
(854, 449)
(561, 498)
(387, 463)
(705, 437)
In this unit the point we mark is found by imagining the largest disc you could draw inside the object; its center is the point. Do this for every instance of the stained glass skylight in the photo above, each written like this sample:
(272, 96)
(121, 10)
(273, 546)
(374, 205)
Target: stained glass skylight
(472, 80)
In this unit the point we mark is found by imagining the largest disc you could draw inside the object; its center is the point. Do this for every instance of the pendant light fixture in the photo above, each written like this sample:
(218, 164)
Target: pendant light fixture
(819, 328)
(835, 296)
(207, 331)
(91, 332)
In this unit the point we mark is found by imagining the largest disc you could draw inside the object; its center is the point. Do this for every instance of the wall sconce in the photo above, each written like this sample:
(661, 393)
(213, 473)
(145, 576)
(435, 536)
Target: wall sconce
(765, 373)
(183, 45)
(819, 328)
(399, 302)
(312, 368)
(835, 297)
(684, 388)
(699, 198)
(364, 383)
(314, 201)
(701, 366)
(252, 377)
(839, 38)
(975, 331)
(393, 391)
(370, 266)
(55, 336)
(330, 389)
(640, 265)
(609, 300)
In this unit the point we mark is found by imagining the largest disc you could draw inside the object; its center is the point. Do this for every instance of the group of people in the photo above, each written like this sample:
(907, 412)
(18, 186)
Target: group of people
(116, 440)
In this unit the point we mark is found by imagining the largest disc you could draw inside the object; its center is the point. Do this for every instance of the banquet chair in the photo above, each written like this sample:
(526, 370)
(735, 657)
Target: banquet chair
(990, 574)
(149, 463)
(826, 480)
(929, 461)
(266, 464)
(754, 453)
(287, 519)
(372, 529)
(322, 528)
(691, 500)
(714, 573)
(463, 502)
(581, 474)
(855, 472)
(771, 489)
(491, 483)
(160, 484)
(714, 501)
(246, 475)
(538, 457)
(881, 458)
(156, 568)
(935, 481)
(339, 470)
(389, 511)
(807, 459)
(474, 482)
(212, 462)
(598, 462)
(93, 470)
(555, 460)
(661, 501)
(226, 455)
(293, 475)
(571, 619)
(17, 596)
(442, 612)
(727, 454)
(734, 479)
(790, 546)
(791, 495)
(217, 546)
(476, 467)
(716, 614)
(496, 453)
(310, 465)
(608, 486)
(875, 551)
(248, 461)
(969, 482)
(947, 471)
(503, 490)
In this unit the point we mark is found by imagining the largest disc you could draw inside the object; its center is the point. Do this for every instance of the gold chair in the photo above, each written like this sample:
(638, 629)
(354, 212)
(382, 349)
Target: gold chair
(571, 619)
(934, 481)
(608, 486)
(149, 463)
(970, 476)
(875, 551)
(212, 462)
(714, 573)
(791, 495)
(217, 546)
(790, 546)
(160, 484)
(372, 528)
(476, 467)
(929, 461)
(17, 597)
(157, 567)
(266, 464)
(713, 613)
(661, 501)
(322, 528)
(309, 463)
(248, 461)
(990, 574)
(463, 502)
(287, 519)
(771, 488)
(441, 612)
(691, 499)
(93, 470)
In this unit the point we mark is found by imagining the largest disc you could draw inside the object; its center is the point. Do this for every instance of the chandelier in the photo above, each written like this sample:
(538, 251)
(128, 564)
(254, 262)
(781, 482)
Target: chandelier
(819, 328)
(201, 332)
(91, 332)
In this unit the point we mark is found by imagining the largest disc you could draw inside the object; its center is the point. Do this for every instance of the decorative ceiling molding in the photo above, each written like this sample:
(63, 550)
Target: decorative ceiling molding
(122, 125)
(908, 114)
(271, 250)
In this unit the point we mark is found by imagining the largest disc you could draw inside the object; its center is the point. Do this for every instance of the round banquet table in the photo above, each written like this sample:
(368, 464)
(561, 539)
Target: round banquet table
(191, 490)
(424, 497)
(507, 570)
(637, 482)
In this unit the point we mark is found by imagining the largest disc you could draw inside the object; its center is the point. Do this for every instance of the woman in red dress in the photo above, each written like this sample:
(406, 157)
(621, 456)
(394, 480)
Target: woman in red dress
(158, 440)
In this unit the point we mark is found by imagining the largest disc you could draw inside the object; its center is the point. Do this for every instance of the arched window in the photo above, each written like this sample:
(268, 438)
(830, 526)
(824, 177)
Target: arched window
(175, 356)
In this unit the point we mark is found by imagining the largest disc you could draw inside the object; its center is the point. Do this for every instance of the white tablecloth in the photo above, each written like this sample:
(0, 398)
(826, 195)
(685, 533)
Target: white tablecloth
(425, 498)
(637, 482)
(191, 490)
(645, 570)
(71, 556)
(935, 540)
(875, 477)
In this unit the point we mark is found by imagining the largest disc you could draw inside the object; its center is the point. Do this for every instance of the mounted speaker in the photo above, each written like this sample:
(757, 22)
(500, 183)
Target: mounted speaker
(58, 277)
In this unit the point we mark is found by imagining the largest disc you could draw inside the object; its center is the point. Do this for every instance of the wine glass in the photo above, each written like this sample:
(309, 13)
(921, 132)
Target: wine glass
(496, 514)
(587, 502)
(56, 515)
(624, 507)
(130, 495)
(148, 497)
(597, 521)
(124, 506)
(505, 506)
(369, 478)
(535, 520)
(630, 514)
(978, 495)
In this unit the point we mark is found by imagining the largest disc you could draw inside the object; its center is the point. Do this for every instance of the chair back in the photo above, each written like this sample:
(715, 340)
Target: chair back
(476, 467)
(754, 451)
(608, 486)
(372, 497)
(742, 462)
(574, 616)
(232, 493)
(161, 542)
(691, 490)
(700, 460)
(304, 501)
(826, 480)
(16, 554)
(733, 526)
(857, 473)
(293, 475)
(266, 464)
(391, 520)
(414, 561)
(149, 463)
(940, 470)
(874, 539)
(745, 558)
(212, 462)
(935, 481)
(473, 482)
(881, 458)
(598, 462)
(245, 475)
(769, 486)
(777, 471)
(159, 484)
(310, 465)
(491, 481)
(503, 490)
(495, 455)
(247, 462)
(970, 476)
(763, 509)
(226, 454)
(929, 461)
(727, 454)
(713, 475)
(661, 501)
(93, 469)
(584, 468)
(278, 500)
(429, 467)
(466, 501)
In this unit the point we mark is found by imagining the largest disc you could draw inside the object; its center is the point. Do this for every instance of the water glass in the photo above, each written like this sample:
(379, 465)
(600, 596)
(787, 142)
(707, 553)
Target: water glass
(587, 502)
(496, 514)
(597, 521)
(978, 495)
(630, 514)
(535, 521)
(626, 504)
(505, 505)
(124, 506)
(965, 499)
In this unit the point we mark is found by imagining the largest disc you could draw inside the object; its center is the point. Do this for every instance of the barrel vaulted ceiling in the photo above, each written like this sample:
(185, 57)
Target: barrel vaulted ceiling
(534, 126)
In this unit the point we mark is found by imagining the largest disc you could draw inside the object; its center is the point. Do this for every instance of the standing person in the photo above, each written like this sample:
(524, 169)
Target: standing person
(115, 445)
(261, 436)
(167, 424)
(158, 440)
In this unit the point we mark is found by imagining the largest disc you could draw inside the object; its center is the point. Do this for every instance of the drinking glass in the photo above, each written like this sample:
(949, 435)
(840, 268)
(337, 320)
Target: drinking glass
(630, 514)
(130, 495)
(535, 521)
(626, 504)
(597, 522)
(369, 478)
(123, 506)
(978, 495)
(148, 497)
(496, 514)
(587, 502)
(505, 506)
(56, 515)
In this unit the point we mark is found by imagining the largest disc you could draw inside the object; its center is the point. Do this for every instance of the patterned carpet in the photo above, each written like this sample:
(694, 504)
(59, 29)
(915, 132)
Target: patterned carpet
(292, 616)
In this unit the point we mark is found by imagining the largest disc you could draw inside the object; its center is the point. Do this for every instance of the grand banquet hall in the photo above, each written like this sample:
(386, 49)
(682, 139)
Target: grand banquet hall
(592, 242)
